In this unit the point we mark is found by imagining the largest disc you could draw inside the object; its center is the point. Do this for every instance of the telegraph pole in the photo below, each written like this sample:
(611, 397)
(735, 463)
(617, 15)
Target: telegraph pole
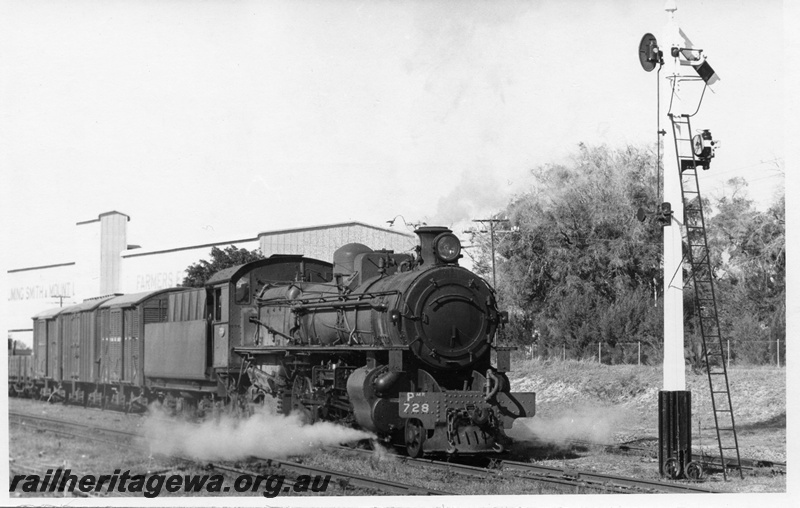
(491, 233)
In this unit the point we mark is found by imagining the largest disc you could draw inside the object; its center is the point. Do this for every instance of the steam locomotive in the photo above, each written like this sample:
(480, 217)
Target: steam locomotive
(399, 344)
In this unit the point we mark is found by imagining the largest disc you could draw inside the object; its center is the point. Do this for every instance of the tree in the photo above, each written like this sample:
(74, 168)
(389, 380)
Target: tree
(577, 266)
(198, 273)
(749, 262)
(17, 346)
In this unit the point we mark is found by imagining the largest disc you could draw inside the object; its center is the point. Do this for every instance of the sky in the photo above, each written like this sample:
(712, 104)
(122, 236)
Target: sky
(215, 120)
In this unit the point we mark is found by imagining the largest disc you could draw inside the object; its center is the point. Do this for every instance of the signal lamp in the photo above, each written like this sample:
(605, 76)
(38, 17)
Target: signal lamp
(703, 147)
(664, 215)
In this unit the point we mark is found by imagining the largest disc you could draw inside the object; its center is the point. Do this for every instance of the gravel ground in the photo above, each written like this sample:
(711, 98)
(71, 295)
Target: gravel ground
(619, 404)
(594, 403)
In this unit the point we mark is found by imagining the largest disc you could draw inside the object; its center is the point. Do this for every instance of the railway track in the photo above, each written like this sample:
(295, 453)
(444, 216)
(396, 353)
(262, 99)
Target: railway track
(344, 480)
(63, 427)
(649, 448)
(619, 484)
(566, 477)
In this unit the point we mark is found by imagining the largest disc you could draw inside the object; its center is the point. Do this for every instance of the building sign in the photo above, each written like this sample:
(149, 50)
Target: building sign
(41, 291)
(159, 280)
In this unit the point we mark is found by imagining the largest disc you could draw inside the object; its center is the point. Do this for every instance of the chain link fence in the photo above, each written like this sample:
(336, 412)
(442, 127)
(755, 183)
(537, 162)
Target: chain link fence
(752, 352)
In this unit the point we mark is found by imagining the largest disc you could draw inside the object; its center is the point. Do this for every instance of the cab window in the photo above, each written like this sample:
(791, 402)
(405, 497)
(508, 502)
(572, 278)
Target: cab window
(217, 304)
(243, 290)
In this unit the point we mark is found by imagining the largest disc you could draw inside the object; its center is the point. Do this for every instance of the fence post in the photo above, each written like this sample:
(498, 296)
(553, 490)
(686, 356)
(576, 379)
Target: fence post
(564, 351)
(599, 352)
(640, 352)
(778, 350)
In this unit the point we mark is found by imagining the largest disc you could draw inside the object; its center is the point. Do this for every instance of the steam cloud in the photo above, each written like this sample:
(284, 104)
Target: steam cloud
(230, 438)
(593, 425)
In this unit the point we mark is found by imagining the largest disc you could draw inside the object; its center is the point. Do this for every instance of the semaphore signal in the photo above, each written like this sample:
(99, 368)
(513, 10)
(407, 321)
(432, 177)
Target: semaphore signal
(685, 225)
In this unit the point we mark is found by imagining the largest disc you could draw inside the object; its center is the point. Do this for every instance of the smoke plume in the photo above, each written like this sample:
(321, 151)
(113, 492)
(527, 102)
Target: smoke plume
(263, 434)
(477, 192)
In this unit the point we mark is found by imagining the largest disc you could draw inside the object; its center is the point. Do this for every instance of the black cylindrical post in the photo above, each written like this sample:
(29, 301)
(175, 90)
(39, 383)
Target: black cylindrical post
(674, 432)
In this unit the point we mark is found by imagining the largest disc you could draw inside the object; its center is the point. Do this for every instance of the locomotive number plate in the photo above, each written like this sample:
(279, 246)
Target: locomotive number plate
(421, 405)
(415, 404)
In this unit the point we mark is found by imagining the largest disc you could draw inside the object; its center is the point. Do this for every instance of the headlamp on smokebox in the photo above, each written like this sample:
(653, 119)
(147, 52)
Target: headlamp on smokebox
(447, 247)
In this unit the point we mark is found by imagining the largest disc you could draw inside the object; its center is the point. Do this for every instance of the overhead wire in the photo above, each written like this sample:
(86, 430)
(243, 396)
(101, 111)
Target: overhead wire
(776, 159)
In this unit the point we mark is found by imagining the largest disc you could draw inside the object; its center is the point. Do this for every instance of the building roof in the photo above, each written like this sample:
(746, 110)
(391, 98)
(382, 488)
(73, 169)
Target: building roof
(190, 247)
(112, 212)
(335, 225)
(268, 233)
(43, 267)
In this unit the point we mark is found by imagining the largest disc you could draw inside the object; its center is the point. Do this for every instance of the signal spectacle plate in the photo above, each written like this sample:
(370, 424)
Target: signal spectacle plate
(648, 52)
(451, 317)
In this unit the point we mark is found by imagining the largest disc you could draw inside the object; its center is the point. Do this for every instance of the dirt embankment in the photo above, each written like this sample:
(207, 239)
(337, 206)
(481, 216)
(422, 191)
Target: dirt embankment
(617, 403)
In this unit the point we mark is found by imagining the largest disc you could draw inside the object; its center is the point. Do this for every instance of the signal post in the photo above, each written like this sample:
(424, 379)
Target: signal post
(674, 401)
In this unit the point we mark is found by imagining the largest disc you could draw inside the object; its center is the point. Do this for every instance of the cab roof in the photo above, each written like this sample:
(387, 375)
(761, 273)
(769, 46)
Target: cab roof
(237, 271)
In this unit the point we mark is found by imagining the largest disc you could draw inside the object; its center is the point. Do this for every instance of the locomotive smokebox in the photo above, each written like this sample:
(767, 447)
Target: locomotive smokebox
(438, 246)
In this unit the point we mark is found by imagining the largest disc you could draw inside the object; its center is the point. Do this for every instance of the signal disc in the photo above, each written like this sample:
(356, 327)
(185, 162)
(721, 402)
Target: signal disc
(648, 49)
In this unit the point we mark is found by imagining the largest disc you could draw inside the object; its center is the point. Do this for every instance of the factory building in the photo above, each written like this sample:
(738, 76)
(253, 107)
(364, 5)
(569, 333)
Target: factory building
(103, 263)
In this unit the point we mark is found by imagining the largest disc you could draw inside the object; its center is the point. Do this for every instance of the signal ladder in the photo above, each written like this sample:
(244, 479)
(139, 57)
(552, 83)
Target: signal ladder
(698, 256)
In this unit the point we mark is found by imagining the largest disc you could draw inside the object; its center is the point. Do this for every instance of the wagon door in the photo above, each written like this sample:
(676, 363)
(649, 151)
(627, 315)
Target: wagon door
(54, 349)
(114, 350)
(88, 347)
(131, 370)
(40, 348)
(105, 338)
(75, 349)
(219, 310)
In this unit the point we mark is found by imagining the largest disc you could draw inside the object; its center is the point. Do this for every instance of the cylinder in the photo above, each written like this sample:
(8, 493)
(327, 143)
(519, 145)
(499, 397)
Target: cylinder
(674, 432)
